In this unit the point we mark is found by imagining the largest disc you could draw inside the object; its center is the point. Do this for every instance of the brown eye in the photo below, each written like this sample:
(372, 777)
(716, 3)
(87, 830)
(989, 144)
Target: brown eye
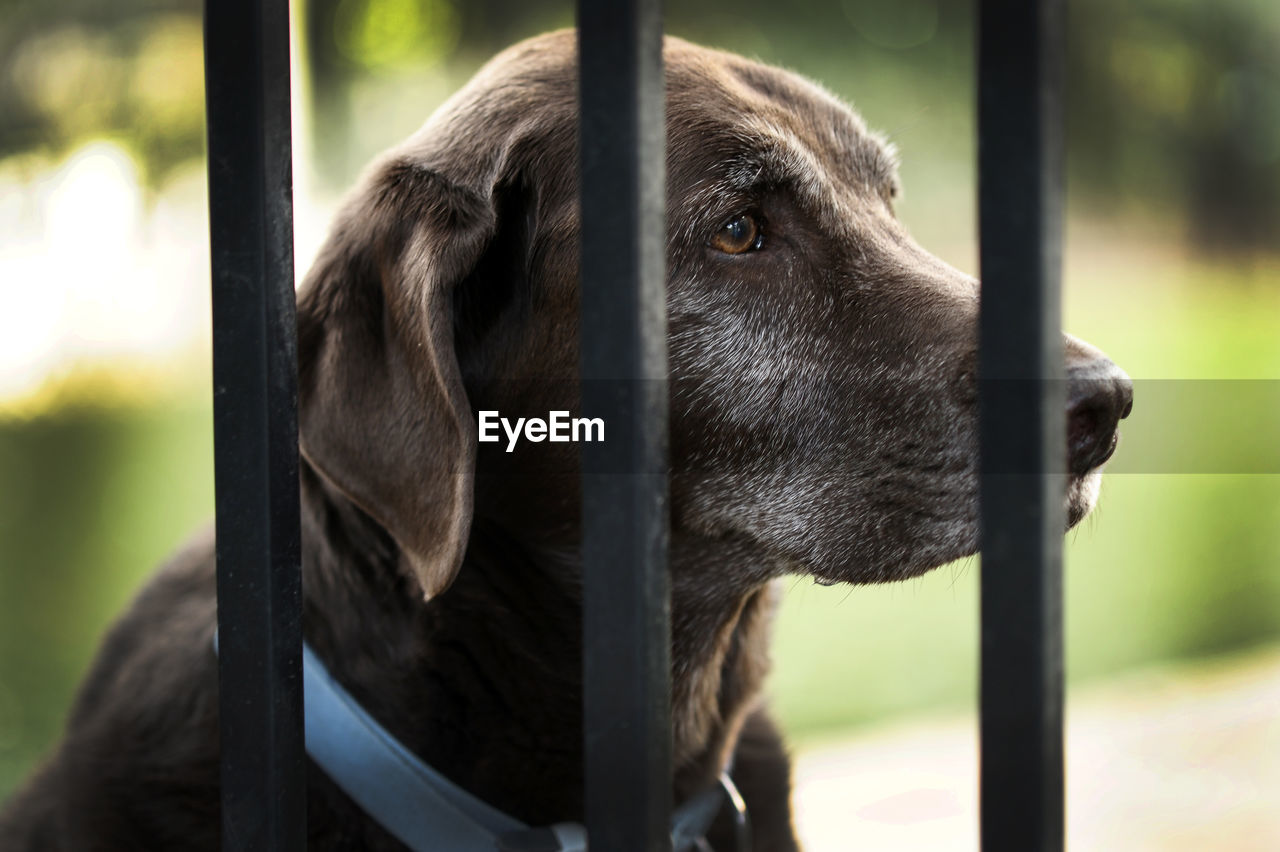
(742, 234)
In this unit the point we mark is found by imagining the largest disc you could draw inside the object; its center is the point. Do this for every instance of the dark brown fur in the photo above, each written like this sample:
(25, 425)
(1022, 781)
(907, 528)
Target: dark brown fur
(822, 422)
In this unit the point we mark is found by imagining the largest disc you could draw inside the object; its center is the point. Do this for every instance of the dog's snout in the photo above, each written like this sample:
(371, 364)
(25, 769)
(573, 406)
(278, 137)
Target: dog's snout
(1099, 396)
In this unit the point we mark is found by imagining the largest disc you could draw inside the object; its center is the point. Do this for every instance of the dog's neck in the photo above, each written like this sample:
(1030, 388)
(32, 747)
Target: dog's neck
(484, 682)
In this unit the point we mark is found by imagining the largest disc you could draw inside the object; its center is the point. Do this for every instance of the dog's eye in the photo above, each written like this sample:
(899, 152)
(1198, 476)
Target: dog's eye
(741, 234)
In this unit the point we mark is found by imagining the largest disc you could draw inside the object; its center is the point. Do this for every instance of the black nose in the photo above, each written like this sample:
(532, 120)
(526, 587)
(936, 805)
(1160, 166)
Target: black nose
(1099, 396)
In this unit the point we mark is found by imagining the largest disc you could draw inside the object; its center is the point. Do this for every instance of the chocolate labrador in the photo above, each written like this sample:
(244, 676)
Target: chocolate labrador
(822, 423)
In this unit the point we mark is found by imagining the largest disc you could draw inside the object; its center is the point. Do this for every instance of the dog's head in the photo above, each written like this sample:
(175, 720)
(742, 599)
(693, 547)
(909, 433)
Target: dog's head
(822, 364)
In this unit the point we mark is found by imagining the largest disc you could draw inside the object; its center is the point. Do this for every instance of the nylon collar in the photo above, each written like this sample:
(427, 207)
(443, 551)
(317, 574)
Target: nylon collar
(425, 810)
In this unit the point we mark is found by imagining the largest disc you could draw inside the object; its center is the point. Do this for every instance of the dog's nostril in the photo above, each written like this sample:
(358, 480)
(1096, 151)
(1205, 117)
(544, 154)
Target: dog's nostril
(1099, 396)
(1127, 391)
(1082, 424)
(1090, 429)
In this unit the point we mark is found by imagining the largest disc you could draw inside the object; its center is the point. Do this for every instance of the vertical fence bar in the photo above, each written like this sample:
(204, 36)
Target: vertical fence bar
(255, 425)
(1022, 418)
(626, 600)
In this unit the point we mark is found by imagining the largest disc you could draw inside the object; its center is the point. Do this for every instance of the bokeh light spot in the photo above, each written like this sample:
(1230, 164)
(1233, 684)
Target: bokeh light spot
(387, 33)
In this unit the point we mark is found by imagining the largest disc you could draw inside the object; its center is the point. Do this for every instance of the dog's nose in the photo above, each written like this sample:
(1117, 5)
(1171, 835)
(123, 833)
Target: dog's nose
(1099, 396)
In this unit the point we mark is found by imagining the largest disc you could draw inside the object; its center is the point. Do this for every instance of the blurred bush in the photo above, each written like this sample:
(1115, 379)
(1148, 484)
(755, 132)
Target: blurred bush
(130, 70)
(1176, 104)
(1174, 107)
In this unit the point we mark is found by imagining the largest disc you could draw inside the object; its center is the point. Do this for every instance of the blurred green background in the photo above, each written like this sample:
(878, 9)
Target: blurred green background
(1171, 267)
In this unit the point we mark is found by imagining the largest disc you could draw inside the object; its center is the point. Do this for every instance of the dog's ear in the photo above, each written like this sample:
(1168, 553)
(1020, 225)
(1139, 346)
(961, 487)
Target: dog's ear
(382, 410)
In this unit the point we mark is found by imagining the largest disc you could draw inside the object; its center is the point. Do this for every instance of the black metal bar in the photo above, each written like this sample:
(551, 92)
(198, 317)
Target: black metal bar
(626, 600)
(1022, 423)
(255, 425)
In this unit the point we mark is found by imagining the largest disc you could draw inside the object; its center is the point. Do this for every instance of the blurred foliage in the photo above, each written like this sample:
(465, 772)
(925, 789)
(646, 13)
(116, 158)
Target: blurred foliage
(381, 33)
(1174, 105)
(1177, 103)
(129, 70)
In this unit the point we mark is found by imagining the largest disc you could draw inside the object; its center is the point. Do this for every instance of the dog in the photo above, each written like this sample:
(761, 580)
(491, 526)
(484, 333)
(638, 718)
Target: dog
(823, 423)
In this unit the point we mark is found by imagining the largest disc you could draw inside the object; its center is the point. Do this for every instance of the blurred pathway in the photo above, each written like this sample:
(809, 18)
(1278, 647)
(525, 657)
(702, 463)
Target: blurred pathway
(1172, 759)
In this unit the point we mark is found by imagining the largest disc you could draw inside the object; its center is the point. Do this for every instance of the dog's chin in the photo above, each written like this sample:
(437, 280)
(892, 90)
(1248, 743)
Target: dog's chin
(962, 542)
(1082, 495)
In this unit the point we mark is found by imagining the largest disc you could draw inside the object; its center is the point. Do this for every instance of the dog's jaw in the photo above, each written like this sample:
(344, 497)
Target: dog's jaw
(956, 539)
(1082, 496)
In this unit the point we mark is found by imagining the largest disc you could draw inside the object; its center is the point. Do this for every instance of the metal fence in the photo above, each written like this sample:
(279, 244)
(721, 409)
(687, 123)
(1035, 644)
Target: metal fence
(626, 619)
